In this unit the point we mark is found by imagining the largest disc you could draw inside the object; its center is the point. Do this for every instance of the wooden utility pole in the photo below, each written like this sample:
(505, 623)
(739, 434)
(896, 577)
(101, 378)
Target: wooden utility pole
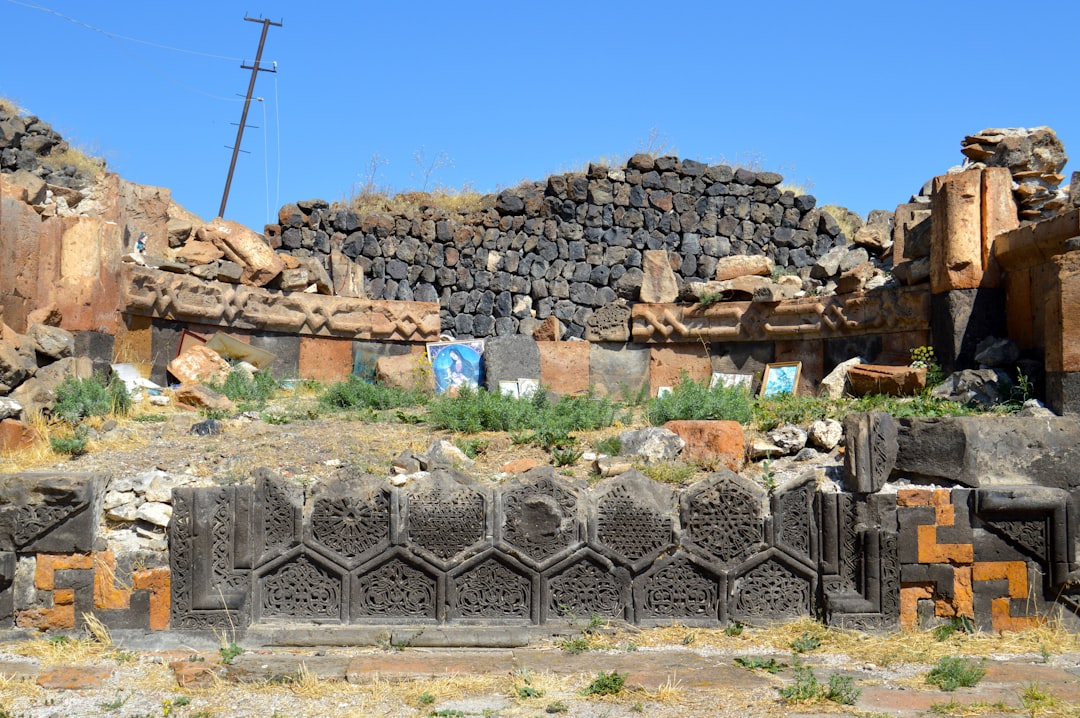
(255, 69)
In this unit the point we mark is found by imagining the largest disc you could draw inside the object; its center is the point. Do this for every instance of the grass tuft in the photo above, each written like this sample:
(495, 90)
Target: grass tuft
(952, 672)
(690, 399)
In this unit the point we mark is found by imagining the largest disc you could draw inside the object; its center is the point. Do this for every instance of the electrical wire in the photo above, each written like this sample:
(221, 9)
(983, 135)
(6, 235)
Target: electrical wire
(277, 130)
(266, 160)
(116, 36)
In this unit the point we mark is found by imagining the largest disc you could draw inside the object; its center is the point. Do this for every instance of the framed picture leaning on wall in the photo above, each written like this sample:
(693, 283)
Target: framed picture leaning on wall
(456, 364)
(781, 378)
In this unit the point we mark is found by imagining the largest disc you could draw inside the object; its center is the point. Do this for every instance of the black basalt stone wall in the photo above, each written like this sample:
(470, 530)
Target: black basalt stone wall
(565, 246)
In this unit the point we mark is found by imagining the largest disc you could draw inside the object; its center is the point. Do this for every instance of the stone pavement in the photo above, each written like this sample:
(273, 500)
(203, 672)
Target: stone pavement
(695, 681)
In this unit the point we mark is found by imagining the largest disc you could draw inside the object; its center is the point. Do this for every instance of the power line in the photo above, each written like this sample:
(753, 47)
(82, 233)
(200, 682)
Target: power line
(116, 36)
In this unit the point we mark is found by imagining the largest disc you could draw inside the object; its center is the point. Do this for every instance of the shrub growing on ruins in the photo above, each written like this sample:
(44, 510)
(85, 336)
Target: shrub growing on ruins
(243, 388)
(77, 399)
(952, 672)
(358, 393)
(550, 423)
(693, 400)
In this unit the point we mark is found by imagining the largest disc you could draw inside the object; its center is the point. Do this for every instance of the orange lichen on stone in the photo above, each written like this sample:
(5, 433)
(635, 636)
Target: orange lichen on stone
(45, 619)
(157, 582)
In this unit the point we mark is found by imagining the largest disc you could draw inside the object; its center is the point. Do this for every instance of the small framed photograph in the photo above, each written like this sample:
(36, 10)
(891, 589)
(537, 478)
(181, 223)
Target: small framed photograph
(456, 364)
(720, 378)
(663, 391)
(510, 388)
(527, 387)
(781, 378)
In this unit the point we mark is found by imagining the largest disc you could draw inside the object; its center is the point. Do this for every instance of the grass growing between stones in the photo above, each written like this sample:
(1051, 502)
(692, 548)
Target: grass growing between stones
(691, 400)
(359, 394)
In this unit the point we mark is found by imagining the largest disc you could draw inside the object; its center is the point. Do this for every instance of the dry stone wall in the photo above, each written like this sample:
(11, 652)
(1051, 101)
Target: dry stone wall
(567, 247)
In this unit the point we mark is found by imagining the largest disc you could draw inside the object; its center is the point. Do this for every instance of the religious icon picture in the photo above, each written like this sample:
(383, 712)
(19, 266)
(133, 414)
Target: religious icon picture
(456, 364)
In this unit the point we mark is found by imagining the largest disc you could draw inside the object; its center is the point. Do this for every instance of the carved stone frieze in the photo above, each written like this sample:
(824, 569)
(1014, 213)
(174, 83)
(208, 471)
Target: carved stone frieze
(679, 588)
(150, 292)
(443, 516)
(723, 516)
(900, 309)
(541, 516)
(776, 588)
(301, 588)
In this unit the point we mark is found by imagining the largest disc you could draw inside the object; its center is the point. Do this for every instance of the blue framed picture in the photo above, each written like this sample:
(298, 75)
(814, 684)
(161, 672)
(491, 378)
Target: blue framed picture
(456, 364)
(781, 378)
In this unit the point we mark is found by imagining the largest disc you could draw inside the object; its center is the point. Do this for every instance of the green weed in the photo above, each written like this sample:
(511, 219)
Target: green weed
(356, 393)
(757, 663)
(605, 684)
(77, 399)
(611, 446)
(805, 688)
(841, 689)
(954, 672)
(695, 400)
(254, 390)
(230, 653)
(956, 624)
(805, 643)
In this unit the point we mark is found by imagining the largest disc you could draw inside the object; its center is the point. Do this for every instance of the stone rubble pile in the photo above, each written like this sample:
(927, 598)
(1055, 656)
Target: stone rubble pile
(34, 156)
(1035, 157)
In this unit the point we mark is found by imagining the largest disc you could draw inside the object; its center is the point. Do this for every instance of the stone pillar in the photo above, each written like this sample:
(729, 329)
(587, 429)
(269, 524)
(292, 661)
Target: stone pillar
(1063, 336)
(968, 304)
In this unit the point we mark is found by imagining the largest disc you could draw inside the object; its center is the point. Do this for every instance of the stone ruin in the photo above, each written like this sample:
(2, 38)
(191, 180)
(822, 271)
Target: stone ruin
(615, 278)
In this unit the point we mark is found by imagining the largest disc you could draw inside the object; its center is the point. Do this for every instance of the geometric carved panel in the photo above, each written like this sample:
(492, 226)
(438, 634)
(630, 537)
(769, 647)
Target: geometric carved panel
(678, 589)
(492, 588)
(301, 589)
(351, 520)
(723, 517)
(540, 516)
(586, 588)
(398, 589)
(634, 519)
(772, 590)
(444, 516)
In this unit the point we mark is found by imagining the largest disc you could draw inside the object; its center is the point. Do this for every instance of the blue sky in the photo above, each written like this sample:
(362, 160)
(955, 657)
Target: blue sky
(861, 101)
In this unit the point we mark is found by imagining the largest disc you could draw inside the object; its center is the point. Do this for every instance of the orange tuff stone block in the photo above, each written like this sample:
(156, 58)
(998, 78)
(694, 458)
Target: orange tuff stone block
(564, 366)
(914, 497)
(74, 678)
(910, 595)
(998, 215)
(519, 466)
(712, 442)
(930, 551)
(1063, 316)
(325, 359)
(963, 601)
(1015, 572)
(48, 563)
(106, 595)
(16, 436)
(1001, 619)
(1020, 315)
(956, 252)
(47, 619)
(157, 581)
(667, 364)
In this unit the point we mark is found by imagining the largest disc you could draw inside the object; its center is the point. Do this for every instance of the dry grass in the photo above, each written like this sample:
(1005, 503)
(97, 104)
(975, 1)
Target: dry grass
(9, 106)
(849, 221)
(66, 155)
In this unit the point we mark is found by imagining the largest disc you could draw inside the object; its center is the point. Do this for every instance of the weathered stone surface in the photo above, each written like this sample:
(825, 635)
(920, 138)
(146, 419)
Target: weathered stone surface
(549, 330)
(200, 397)
(889, 380)
(899, 309)
(855, 279)
(994, 352)
(198, 252)
(50, 513)
(956, 258)
(652, 445)
(835, 384)
(609, 323)
(154, 513)
(913, 271)
(742, 265)
(509, 358)
(961, 319)
(658, 286)
(53, 342)
(10, 409)
(406, 371)
(148, 292)
(713, 443)
(16, 436)
(984, 387)
(564, 366)
(668, 365)
(12, 366)
(826, 434)
(774, 292)
(990, 450)
(870, 441)
(248, 249)
(618, 369)
(35, 397)
(790, 438)
(74, 678)
(346, 275)
(199, 363)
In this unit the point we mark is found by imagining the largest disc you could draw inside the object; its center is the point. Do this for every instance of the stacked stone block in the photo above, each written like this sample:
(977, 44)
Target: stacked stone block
(567, 247)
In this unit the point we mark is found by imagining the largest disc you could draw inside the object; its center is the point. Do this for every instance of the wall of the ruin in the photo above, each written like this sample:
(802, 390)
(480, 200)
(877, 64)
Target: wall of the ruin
(930, 519)
(565, 247)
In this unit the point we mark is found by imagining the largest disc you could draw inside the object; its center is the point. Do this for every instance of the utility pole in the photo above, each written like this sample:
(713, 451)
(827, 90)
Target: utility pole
(255, 69)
